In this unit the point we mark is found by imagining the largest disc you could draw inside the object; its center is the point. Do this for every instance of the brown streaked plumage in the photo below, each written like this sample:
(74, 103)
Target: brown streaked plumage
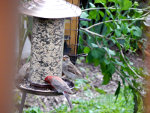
(69, 69)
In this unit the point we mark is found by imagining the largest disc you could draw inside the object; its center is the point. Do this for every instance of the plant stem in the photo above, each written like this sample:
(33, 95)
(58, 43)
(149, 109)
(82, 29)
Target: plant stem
(146, 14)
(92, 33)
(113, 21)
(87, 43)
(88, 9)
(96, 34)
(129, 65)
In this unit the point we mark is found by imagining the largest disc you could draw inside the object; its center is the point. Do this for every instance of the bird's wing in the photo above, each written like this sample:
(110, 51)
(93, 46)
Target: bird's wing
(73, 69)
(61, 86)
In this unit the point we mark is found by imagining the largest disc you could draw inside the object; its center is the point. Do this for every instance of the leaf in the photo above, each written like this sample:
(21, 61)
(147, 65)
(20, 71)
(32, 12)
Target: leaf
(109, 51)
(98, 52)
(112, 68)
(118, 45)
(101, 91)
(107, 75)
(127, 43)
(92, 14)
(136, 4)
(118, 90)
(101, 13)
(100, 1)
(117, 32)
(108, 12)
(112, 1)
(137, 31)
(84, 15)
(106, 61)
(91, 42)
(113, 39)
(124, 28)
(119, 63)
(94, 45)
(86, 50)
(125, 4)
(89, 58)
(96, 62)
(123, 80)
(106, 79)
(34, 110)
(95, 53)
(107, 71)
(92, 5)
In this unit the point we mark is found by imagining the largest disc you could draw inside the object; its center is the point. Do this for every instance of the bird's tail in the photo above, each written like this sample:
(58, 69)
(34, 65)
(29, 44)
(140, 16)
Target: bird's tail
(68, 99)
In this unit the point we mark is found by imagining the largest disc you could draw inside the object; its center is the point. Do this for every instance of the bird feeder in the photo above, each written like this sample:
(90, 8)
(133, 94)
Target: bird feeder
(47, 36)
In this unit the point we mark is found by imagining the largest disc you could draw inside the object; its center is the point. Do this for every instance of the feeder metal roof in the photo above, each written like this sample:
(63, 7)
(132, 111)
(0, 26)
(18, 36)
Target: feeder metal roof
(50, 9)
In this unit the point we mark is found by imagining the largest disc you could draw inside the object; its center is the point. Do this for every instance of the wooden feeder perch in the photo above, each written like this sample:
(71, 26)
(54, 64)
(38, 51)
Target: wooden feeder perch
(47, 42)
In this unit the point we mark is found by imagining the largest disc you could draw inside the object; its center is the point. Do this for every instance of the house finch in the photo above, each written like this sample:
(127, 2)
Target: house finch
(69, 69)
(59, 85)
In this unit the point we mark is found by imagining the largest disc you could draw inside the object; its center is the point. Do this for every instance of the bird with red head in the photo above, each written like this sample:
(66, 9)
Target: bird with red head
(59, 85)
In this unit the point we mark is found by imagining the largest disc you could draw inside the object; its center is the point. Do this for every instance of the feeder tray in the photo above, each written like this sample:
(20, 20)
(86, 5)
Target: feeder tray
(37, 89)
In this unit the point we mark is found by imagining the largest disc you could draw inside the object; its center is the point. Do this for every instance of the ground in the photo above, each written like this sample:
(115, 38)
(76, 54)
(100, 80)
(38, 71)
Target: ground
(91, 76)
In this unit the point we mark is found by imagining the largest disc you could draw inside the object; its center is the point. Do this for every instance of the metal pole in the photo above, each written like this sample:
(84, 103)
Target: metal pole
(22, 102)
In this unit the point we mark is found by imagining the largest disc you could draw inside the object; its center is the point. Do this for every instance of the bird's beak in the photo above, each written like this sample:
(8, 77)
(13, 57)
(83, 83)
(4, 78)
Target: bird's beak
(46, 79)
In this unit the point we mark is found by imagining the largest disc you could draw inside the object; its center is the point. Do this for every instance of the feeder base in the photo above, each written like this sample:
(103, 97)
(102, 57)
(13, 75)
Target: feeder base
(25, 87)
(44, 90)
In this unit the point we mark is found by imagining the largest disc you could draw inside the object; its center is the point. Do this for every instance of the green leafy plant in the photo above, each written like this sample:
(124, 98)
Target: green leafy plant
(104, 103)
(114, 29)
(33, 110)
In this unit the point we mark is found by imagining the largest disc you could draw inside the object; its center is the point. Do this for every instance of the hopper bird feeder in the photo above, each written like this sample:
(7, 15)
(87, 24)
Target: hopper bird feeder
(47, 36)
(47, 41)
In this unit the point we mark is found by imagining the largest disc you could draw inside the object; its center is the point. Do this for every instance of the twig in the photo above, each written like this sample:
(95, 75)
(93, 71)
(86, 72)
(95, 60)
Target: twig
(96, 34)
(92, 33)
(129, 65)
(88, 9)
(86, 43)
(146, 14)
(98, 44)
(113, 21)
